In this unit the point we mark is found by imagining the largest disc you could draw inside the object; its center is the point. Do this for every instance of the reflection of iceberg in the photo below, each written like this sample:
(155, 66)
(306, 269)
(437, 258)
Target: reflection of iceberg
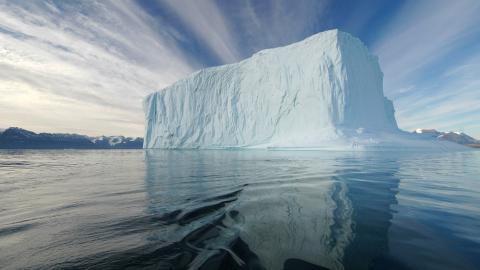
(270, 209)
(372, 193)
(338, 222)
(302, 221)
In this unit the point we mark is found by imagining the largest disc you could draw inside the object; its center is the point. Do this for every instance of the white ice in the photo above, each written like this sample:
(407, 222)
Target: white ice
(323, 92)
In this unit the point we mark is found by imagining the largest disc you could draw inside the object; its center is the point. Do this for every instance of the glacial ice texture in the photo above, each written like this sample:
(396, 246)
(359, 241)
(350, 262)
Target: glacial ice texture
(324, 91)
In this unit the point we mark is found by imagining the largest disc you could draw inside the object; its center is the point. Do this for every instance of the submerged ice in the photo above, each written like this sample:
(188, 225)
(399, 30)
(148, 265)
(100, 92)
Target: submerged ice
(324, 91)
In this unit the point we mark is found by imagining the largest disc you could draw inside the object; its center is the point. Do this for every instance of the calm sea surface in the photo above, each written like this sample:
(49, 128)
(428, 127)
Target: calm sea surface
(293, 210)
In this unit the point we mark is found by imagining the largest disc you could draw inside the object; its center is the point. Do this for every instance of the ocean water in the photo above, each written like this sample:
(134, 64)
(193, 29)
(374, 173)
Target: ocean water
(293, 210)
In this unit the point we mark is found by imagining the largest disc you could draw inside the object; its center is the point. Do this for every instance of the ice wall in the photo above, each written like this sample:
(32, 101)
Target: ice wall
(320, 91)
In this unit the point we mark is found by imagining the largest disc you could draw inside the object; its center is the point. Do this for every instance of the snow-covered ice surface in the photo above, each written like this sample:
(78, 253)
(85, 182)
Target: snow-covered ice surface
(452, 136)
(325, 92)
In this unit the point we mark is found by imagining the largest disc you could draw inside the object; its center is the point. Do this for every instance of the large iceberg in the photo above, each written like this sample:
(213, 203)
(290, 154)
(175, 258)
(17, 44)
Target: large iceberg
(323, 92)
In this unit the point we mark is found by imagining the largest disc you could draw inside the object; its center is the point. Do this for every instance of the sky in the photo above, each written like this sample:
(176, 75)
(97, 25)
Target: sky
(85, 66)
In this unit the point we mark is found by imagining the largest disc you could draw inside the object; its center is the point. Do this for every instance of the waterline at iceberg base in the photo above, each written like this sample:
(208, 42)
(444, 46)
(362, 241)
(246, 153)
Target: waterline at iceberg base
(325, 92)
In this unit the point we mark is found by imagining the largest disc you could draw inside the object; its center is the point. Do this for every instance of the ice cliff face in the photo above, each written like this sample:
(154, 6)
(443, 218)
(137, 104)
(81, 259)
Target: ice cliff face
(322, 90)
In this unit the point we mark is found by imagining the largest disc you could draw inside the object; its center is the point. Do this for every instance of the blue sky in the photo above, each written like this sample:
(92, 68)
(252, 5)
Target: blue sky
(84, 66)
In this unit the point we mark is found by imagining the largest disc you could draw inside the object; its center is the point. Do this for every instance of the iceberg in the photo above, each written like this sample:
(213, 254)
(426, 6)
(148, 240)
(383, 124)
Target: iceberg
(323, 92)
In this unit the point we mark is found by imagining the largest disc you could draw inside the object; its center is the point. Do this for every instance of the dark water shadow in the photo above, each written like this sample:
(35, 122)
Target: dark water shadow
(199, 215)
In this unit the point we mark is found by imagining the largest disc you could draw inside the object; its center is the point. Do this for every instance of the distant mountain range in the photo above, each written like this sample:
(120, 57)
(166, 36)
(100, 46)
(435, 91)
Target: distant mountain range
(457, 137)
(18, 138)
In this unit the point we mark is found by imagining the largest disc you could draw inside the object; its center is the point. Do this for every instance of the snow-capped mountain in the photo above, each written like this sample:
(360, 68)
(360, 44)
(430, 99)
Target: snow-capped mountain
(452, 136)
(116, 141)
(17, 138)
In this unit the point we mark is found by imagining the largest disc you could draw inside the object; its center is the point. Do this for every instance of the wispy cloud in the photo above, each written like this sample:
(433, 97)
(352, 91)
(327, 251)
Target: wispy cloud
(451, 104)
(66, 64)
(419, 47)
(209, 25)
(421, 33)
(85, 66)
(235, 30)
(266, 24)
(82, 60)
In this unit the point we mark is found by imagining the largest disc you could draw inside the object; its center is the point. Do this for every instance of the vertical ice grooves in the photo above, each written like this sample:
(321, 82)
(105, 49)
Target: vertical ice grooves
(302, 95)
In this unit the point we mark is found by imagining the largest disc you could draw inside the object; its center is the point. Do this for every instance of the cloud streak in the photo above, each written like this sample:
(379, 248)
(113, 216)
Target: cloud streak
(66, 64)
(209, 25)
(84, 66)
(83, 60)
(419, 46)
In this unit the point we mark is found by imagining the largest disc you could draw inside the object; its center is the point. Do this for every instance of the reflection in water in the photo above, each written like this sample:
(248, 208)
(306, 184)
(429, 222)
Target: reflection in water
(281, 210)
(238, 210)
(372, 194)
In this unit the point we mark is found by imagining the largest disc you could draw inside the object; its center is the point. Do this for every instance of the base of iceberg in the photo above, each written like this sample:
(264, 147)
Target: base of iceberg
(397, 142)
